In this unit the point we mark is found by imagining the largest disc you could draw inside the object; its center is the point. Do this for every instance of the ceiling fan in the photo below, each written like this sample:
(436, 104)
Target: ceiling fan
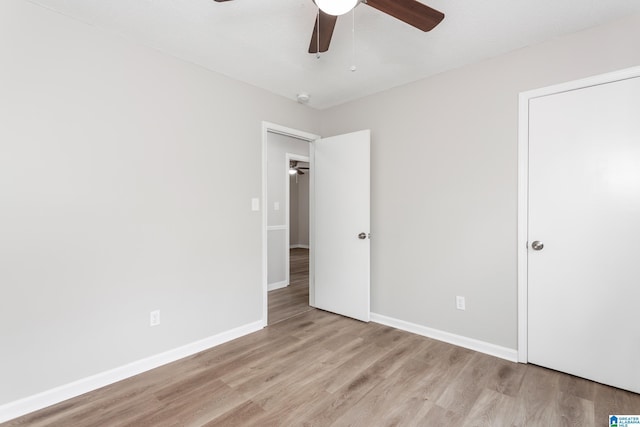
(294, 168)
(411, 12)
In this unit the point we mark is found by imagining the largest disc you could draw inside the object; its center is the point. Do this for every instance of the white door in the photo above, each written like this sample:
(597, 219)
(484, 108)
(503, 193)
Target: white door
(341, 239)
(584, 208)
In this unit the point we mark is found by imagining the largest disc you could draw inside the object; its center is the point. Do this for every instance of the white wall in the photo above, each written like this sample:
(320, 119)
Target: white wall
(120, 194)
(444, 175)
(277, 176)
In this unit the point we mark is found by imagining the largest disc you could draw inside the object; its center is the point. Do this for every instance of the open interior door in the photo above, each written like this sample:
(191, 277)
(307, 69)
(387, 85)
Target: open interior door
(341, 176)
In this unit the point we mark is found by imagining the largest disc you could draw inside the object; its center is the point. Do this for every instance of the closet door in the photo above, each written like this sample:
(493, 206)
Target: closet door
(584, 233)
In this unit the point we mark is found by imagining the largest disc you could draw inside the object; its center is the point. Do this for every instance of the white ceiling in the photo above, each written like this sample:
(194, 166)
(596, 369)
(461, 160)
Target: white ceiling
(265, 42)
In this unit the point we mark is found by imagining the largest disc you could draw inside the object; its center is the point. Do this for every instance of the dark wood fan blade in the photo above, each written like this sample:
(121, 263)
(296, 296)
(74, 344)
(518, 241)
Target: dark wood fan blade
(221, 0)
(412, 12)
(327, 24)
(300, 172)
(303, 167)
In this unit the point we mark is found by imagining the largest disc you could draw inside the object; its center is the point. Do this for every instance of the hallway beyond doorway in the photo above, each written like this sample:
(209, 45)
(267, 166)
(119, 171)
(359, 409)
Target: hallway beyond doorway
(293, 299)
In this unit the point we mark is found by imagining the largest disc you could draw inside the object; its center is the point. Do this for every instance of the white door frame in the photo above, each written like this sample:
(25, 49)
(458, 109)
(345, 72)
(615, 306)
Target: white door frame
(287, 219)
(304, 136)
(523, 185)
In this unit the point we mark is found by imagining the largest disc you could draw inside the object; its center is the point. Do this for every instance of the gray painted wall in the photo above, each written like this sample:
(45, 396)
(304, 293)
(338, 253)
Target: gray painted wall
(444, 180)
(299, 217)
(120, 193)
(293, 211)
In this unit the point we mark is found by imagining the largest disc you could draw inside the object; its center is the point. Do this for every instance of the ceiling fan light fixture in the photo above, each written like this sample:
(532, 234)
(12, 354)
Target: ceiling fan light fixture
(292, 171)
(336, 7)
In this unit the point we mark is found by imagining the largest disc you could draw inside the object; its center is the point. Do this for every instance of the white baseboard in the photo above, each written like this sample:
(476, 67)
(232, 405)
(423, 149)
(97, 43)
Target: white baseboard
(47, 398)
(470, 343)
(296, 246)
(277, 285)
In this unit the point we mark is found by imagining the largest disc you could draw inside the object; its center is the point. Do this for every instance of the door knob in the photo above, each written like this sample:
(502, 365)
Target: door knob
(537, 245)
(362, 236)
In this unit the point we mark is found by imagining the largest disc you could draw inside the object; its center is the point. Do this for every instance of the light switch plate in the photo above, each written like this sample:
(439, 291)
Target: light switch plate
(154, 318)
(255, 204)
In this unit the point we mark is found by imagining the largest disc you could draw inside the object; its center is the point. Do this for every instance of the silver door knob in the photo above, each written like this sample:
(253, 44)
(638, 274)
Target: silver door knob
(537, 245)
(362, 236)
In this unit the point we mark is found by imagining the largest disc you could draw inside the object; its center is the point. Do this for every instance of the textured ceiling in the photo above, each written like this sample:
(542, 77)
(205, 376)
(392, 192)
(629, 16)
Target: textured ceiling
(265, 42)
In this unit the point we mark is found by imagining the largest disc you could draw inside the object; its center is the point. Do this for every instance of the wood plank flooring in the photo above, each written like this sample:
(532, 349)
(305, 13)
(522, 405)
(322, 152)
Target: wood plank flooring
(315, 368)
(294, 299)
(320, 369)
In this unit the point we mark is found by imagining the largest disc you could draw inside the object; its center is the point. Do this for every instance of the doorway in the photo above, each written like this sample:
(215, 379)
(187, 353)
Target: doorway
(339, 221)
(293, 298)
(287, 270)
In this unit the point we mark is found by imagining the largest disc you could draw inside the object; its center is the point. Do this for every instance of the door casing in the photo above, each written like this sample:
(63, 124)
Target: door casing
(523, 185)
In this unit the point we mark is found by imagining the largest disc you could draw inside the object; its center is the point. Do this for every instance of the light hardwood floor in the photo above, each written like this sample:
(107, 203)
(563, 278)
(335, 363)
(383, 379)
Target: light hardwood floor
(294, 299)
(320, 369)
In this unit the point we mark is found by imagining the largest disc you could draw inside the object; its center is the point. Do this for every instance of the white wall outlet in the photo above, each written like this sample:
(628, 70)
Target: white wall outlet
(460, 303)
(255, 204)
(276, 206)
(154, 318)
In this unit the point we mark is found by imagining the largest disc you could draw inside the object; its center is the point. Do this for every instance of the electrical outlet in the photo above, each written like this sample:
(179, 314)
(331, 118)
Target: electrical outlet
(460, 304)
(154, 318)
